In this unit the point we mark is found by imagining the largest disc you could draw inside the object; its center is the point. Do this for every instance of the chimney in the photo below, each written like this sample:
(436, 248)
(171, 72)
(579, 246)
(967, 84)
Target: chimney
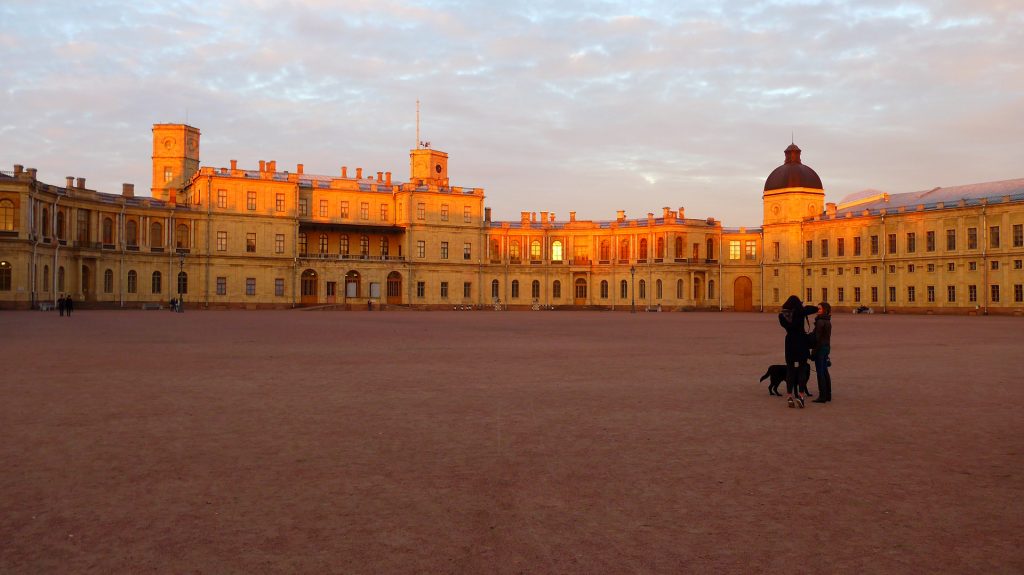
(128, 190)
(234, 165)
(830, 209)
(272, 166)
(682, 213)
(18, 168)
(487, 214)
(263, 166)
(81, 183)
(380, 176)
(620, 215)
(359, 173)
(32, 173)
(551, 217)
(344, 171)
(387, 176)
(71, 182)
(543, 217)
(299, 168)
(533, 217)
(666, 213)
(572, 216)
(650, 216)
(524, 217)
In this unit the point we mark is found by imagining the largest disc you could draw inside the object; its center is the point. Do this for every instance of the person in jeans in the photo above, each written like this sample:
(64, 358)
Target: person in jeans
(791, 318)
(823, 342)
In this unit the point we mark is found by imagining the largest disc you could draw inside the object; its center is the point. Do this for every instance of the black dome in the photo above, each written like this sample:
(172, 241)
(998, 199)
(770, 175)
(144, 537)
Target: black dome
(793, 174)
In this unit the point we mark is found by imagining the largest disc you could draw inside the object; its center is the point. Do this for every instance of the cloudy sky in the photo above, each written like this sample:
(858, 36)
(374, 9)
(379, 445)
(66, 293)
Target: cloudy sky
(591, 106)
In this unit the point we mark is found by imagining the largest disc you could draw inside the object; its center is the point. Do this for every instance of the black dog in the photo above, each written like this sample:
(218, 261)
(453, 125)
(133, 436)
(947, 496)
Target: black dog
(777, 373)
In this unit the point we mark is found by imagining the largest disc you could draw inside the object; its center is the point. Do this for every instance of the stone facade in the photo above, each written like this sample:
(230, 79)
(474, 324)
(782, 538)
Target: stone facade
(268, 238)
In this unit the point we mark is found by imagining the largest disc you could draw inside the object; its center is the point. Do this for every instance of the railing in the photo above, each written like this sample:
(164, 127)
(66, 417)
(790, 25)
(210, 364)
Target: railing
(109, 247)
(495, 260)
(132, 247)
(157, 250)
(710, 261)
(351, 257)
(681, 260)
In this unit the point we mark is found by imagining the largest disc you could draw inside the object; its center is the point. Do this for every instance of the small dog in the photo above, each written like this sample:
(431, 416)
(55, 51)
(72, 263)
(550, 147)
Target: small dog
(777, 373)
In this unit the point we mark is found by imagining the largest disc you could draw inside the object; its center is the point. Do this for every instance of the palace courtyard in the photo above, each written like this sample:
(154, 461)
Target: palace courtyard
(515, 442)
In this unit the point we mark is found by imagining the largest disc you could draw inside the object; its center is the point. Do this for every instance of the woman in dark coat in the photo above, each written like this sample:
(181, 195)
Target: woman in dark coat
(822, 347)
(797, 353)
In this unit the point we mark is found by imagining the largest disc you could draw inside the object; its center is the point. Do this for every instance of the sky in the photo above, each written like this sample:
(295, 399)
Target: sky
(585, 106)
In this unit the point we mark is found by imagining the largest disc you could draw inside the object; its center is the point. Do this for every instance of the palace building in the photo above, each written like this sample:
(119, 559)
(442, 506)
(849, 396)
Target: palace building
(229, 237)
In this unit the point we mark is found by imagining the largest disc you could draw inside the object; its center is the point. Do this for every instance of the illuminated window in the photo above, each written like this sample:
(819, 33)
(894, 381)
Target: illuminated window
(168, 175)
(323, 208)
(535, 250)
(364, 210)
(750, 251)
(513, 251)
(734, 249)
(556, 251)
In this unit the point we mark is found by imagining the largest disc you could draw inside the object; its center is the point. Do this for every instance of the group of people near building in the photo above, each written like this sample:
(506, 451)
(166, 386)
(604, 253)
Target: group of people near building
(803, 346)
(65, 304)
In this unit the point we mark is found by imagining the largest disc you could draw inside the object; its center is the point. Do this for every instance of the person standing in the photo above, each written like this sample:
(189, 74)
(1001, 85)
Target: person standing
(823, 344)
(60, 305)
(791, 318)
(69, 304)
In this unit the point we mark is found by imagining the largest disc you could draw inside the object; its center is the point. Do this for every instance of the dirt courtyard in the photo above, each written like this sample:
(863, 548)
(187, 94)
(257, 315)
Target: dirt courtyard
(518, 442)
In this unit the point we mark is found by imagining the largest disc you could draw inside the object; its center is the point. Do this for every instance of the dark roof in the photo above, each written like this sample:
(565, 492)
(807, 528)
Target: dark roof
(793, 174)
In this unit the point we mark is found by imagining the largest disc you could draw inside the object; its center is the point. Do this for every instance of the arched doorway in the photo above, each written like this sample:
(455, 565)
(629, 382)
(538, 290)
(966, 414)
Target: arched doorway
(394, 288)
(309, 287)
(580, 292)
(743, 294)
(87, 287)
(352, 284)
(698, 291)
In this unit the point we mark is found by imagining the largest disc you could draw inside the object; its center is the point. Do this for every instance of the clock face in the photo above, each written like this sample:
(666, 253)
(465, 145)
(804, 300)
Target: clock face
(168, 143)
(776, 209)
(437, 168)
(812, 209)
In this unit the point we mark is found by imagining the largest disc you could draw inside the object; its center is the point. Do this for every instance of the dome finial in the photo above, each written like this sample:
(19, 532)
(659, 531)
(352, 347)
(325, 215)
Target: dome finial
(792, 154)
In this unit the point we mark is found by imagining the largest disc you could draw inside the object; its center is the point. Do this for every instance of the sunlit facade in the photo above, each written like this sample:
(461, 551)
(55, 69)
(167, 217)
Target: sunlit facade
(229, 237)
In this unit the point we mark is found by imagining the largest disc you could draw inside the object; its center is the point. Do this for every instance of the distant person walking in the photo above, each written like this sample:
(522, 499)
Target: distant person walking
(60, 304)
(823, 343)
(69, 304)
(791, 318)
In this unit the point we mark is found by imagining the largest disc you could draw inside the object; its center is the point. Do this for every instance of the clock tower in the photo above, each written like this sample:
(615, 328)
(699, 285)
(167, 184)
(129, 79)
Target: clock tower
(175, 159)
(428, 167)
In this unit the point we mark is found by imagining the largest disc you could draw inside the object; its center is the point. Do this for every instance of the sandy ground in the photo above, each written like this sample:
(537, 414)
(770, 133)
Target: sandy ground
(483, 442)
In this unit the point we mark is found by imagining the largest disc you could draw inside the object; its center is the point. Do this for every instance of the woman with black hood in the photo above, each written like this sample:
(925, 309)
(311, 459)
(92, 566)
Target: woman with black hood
(822, 347)
(797, 352)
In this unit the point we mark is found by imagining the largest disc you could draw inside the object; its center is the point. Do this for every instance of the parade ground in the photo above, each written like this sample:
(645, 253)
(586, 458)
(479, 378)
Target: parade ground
(504, 442)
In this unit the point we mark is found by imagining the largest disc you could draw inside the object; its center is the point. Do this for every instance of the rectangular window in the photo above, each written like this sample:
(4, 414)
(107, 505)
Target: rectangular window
(250, 242)
(250, 201)
(892, 269)
(168, 175)
(777, 250)
(951, 293)
(874, 270)
(809, 249)
(444, 250)
(931, 267)
(892, 294)
(222, 198)
(824, 294)
(1018, 235)
(824, 271)
(809, 272)
(972, 266)
(910, 268)
(929, 241)
(856, 246)
(951, 267)
(750, 250)
(250, 286)
(467, 289)
(1018, 264)
(383, 212)
(856, 295)
(930, 291)
(421, 289)
(824, 248)
(840, 294)
(279, 244)
(950, 240)
(467, 251)
(856, 270)
(810, 294)
(995, 265)
(421, 211)
(910, 294)
(467, 214)
(444, 290)
(874, 245)
(892, 243)
(775, 294)
(995, 293)
(421, 248)
(839, 271)
(972, 293)
(911, 242)
(734, 249)
(840, 247)
(279, 287)
(972, 238)
(323, 208)
(279, 202)
(364, 210)
(303, 207)
(222, 285)
(874, 295)
(344, 209)
(1018, 293)
(444, 212)
(993, 237)
(222, 241)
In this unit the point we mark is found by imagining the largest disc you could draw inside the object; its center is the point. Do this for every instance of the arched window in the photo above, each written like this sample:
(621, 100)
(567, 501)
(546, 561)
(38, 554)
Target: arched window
(495, 251)
(606, 250)
(182, 282)
(515, 289)
(513, 251)
(581, 288)
(660, 253)
(181, 237)
(364, 245)
(343, 245)
(680, 253)
(604, 289)
(679, 289)
(156, 236)
(6, 215)
(711, 289)
(323, 243)
(352, 284)
(657, 289)
(535, 250)
(535, 289)
(133, 282)
(108, 281)
(108, 231)
(5, 276)
(494, 289)
(556, 251)
(60, 279)
(643, 249)
(46, 278)
(157, 286)
(60, 225)
(624, 250)
(643, 289)
(46, 223)
(556, 290)
(623, 289)
(132, 231)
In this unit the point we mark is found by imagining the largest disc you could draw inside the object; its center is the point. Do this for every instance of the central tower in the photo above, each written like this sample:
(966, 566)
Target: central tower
(428, 167)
